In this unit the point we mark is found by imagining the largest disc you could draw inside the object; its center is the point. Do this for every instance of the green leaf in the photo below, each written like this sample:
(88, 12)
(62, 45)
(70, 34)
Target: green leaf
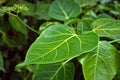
(17, 25)
(82, 27)
(1, 63)
(86, 2)
(57, 71)
(106, 27)
(31, 8)
(58, 43)
(64, 9)
(104, 16)
(46, 25)
(100, 64)
(42, 10)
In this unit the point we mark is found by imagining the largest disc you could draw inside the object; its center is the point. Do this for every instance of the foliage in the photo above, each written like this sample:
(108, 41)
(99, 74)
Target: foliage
(61, 39)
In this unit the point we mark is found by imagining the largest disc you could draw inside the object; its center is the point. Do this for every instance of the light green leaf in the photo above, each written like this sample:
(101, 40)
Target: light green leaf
(106, 27)
(64, 9)
(17, 25)
(58, 43)
(57, 71)
(46, 25)
(1, 63)
(100, 64)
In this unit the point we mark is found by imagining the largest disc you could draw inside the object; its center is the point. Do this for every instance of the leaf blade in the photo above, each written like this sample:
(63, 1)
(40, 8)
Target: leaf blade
(59, 9)
(106, 27)
(100, 63)
(58, 43)
(54, 72)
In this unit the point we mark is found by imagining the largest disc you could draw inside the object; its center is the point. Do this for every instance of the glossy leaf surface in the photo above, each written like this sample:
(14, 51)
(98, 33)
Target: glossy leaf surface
(100, 64)
(56, 71)
(64, 9)
(58, 43)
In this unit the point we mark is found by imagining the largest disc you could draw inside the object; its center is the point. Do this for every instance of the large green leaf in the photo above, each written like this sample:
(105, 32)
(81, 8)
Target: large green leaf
(100, 64)
(64, 9)
(106, 27)
(1, 63)
(58, 43)
(17, 24)
(57, 71)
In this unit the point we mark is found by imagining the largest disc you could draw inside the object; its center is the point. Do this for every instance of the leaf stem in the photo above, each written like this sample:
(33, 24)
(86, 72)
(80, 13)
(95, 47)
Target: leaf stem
(114, 40)
(66, 61)
(23, 23)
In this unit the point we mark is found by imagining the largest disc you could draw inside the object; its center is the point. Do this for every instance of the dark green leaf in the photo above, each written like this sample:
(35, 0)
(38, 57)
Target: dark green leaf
(17, 25)
(57, 71)
(100, 64)
(42, 10)
(31, 8)
(64, 9)
(1, 63)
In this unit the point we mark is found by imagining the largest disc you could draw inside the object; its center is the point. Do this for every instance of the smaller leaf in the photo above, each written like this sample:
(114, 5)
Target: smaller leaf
(1, 63)
(17, 25)
(64, 9)
(104, 16)
(86, 2)
(46, 25)
(42, 10)
(82, 27)
(31, 8)
(106, 27)
(56, 71)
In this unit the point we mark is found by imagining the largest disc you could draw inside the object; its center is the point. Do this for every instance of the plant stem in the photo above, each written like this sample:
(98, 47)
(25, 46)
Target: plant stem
(23, 23)
(114, 40)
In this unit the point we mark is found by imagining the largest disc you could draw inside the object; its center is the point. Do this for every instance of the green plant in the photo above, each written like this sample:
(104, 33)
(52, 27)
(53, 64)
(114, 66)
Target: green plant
(57, 45)
(76, 34)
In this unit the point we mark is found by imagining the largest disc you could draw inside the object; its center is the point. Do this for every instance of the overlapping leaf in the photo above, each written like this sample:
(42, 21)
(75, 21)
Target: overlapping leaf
(106, 27)
(1, 63)
(86, 2)
(100, 64)
(17, 25)
(64, 9)
(56, 71)
(58, 43)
